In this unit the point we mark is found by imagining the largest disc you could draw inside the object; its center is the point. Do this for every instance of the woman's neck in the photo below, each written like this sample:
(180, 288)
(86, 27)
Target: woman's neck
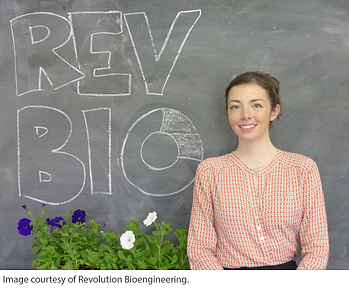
(256, 154)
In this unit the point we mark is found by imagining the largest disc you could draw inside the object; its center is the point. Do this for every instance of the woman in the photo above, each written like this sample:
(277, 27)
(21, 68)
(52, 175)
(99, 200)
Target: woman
(255, 207)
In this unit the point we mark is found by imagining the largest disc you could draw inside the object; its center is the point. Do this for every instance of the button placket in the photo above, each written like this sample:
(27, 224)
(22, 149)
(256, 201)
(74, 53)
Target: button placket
(255, 190)
(261, 184)
(260, 232)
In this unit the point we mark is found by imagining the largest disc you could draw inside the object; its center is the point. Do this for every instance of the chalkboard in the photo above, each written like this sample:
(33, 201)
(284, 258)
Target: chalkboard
(109, 106)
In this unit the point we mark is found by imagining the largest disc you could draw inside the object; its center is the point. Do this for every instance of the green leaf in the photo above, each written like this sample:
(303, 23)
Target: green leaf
(58, 262)
(167, 247)
(121, 255)
(93, 257)
(153, 260)
(174, 259)
(41, 259)
(142, 265)
(157, 233)
(181, 231)
(69, 266)
(108, 259)
(152, 240)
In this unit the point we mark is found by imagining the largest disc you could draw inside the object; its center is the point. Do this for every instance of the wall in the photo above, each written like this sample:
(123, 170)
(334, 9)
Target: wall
(108, 106)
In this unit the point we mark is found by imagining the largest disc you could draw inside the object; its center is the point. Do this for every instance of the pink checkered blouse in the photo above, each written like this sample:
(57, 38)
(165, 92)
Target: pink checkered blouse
(234, 224)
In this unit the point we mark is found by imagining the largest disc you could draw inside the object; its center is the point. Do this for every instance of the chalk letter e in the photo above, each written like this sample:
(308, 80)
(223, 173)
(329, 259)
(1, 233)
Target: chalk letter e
(99, 44)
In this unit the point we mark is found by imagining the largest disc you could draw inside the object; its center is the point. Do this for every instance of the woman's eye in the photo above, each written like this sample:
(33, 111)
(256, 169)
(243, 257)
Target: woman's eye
(234, 107)
(257, 105)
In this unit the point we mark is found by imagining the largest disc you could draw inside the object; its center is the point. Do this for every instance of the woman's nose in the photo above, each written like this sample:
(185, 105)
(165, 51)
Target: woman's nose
(246, 113)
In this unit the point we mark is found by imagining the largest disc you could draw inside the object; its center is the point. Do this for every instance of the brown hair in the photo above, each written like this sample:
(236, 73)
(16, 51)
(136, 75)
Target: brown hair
(264, 80)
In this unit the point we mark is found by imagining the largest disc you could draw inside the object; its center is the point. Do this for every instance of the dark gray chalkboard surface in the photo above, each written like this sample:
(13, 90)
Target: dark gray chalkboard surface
(108, 106)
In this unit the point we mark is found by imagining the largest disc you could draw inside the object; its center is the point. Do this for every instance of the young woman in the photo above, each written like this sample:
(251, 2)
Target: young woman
(255, 207)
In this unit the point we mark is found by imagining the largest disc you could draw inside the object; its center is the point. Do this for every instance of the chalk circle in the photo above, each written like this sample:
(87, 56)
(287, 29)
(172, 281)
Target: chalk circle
(160, 152)
(164, 146)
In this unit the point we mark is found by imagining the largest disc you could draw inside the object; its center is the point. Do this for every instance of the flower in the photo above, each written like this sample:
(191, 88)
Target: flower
(79, 216)
(55, 222)
(150, 219)
(127, 239)
(24, 207)
(24, 227)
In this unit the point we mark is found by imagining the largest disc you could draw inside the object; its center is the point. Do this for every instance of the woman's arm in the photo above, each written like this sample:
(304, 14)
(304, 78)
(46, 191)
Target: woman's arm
(314, 231)
(202, 237)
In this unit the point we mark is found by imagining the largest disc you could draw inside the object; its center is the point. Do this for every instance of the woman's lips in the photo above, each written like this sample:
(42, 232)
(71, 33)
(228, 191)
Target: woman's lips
(247, 126)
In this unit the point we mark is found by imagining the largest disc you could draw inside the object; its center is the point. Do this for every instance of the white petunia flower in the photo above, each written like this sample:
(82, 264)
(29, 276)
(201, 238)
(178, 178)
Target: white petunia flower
(150, 219)
(127, 239)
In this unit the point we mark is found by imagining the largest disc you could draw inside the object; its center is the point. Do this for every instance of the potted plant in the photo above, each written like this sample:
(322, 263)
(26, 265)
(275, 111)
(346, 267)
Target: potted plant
(74, 243)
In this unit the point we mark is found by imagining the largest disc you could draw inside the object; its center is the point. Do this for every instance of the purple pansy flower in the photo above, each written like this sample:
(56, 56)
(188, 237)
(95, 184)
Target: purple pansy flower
(24, 227)
(79, 216)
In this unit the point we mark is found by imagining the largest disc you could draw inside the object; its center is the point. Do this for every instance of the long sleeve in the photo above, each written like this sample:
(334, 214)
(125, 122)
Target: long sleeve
(202, 239)
(314, 231)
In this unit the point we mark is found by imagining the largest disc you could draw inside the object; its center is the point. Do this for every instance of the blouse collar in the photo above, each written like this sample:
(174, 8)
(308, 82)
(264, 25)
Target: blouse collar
(275, 161)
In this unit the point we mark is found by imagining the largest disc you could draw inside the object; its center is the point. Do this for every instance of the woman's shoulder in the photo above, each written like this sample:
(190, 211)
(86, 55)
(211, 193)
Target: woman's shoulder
(298, 160)
(216, 163)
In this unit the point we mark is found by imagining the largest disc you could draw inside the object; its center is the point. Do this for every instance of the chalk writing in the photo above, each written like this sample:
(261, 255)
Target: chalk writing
(41, 131)
(98, 130)
(40, 157)
(95, 33)
(173, 127)
(156, 72)
(64, 51)
(89, 49)
(44, 177)
(34, 57)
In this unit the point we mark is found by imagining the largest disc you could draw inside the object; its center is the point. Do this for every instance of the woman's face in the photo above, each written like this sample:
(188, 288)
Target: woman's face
(249, 111)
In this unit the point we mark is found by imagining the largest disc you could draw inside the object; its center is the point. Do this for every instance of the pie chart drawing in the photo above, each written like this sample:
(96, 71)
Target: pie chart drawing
(160, 152)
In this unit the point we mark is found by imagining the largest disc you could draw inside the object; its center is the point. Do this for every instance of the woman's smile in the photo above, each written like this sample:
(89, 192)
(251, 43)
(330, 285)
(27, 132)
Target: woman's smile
(247, 126)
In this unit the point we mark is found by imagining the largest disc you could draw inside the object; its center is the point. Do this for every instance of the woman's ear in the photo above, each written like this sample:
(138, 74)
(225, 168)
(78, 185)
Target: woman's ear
(275, 112)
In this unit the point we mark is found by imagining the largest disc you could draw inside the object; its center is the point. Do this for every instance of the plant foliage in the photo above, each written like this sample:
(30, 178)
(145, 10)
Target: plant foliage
(74, 243)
